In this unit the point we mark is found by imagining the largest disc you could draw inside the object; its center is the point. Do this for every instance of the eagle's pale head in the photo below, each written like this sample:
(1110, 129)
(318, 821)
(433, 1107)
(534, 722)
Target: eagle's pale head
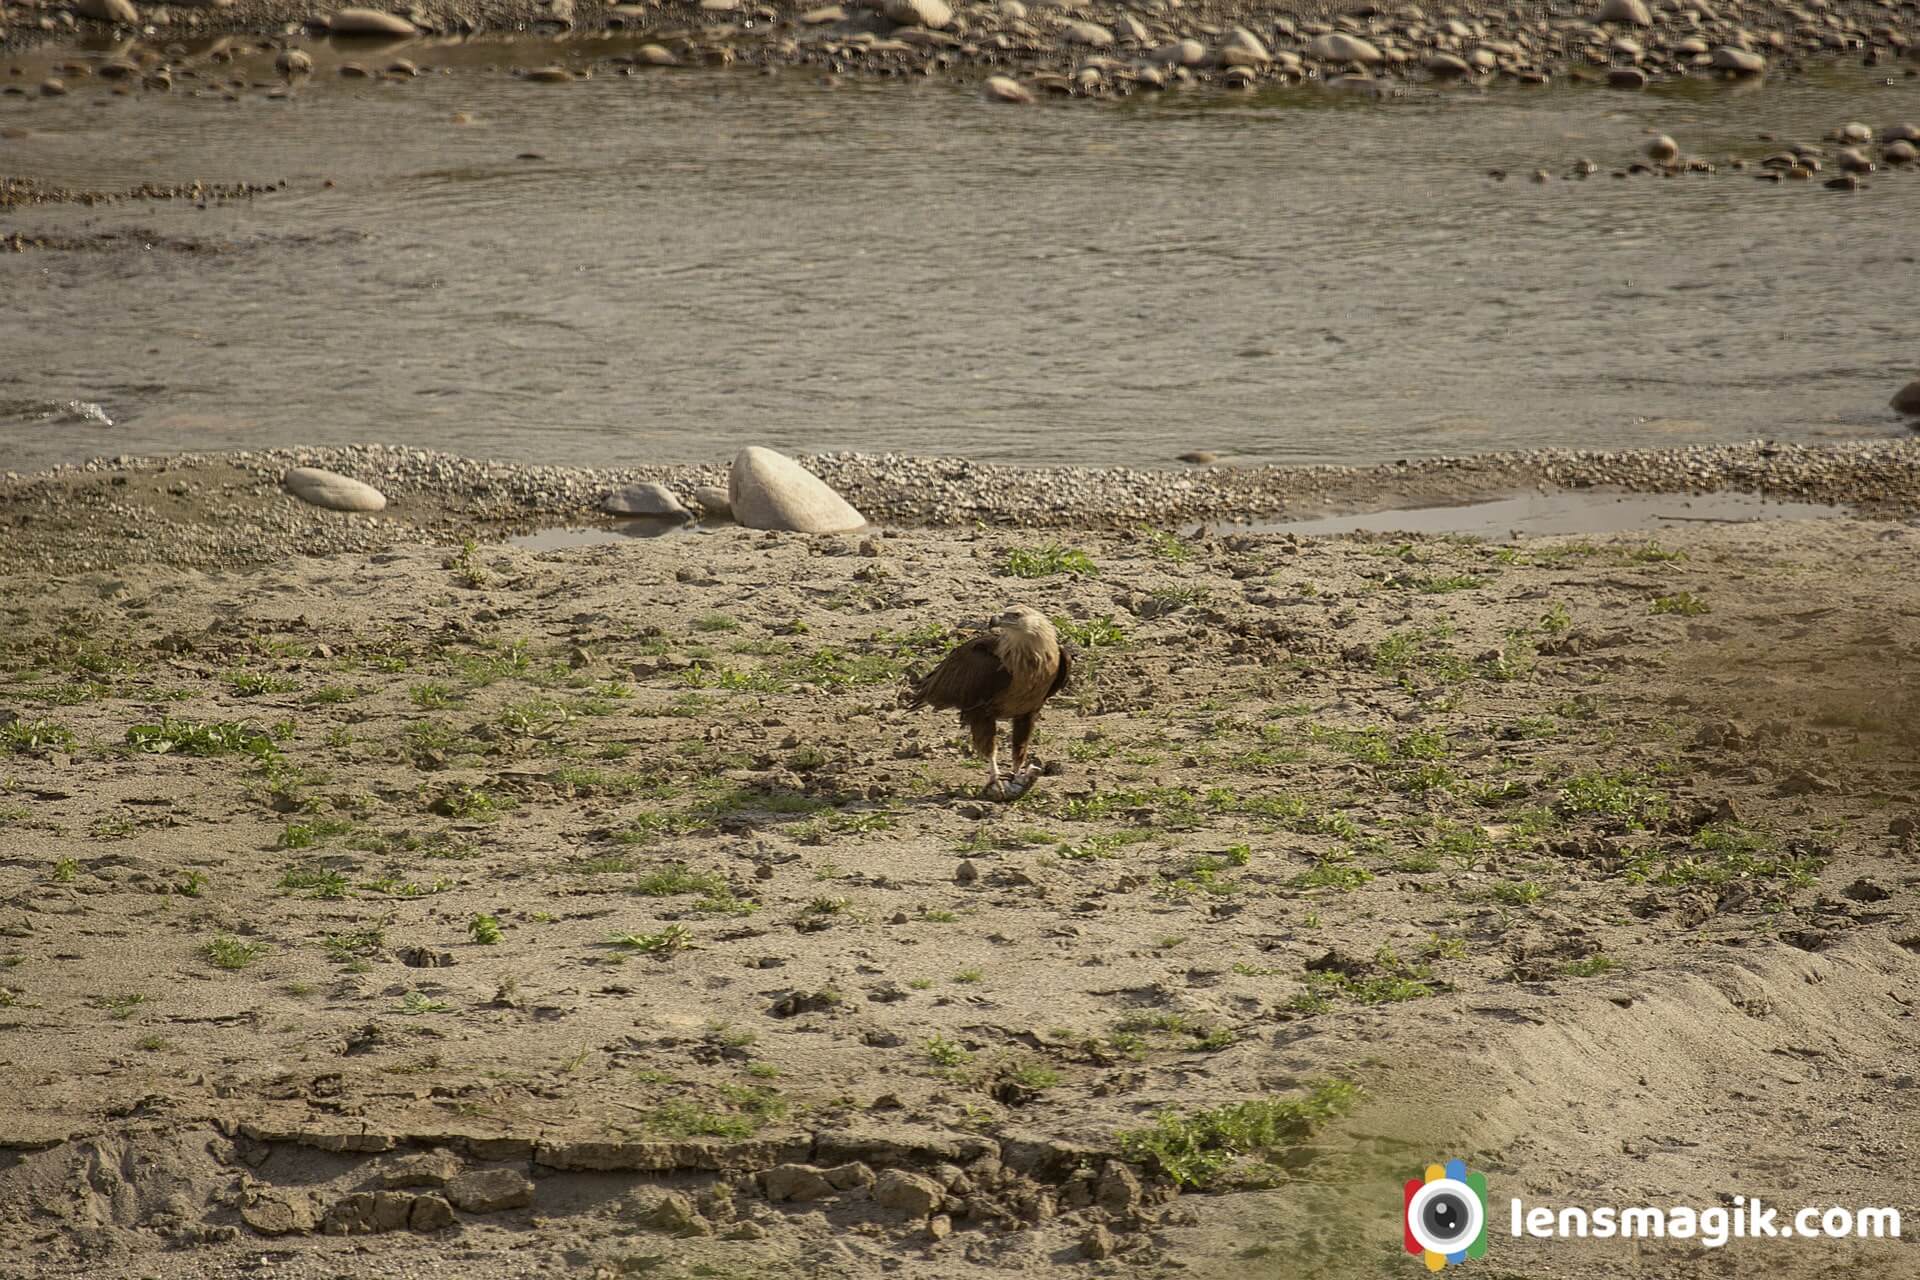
(1022, 619)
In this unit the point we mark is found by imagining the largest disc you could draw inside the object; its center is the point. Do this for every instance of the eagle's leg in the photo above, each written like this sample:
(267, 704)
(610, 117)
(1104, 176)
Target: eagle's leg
(984, 745)
(1025, 772)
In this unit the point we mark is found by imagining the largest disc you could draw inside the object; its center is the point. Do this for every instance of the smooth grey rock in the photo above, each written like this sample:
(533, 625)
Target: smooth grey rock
(1632, 12)
(1907, 399)
(1338, 46)
(333, 491)
(119, 12)
(932, 14)
(645, 500)
(713, 501)
(769, 490)
(1739, 61)
(1091, 34)
(1007, 89)
(369, 22)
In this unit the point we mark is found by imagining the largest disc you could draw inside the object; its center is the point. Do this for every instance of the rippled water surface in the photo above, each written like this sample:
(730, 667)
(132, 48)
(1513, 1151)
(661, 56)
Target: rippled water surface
(697, 260)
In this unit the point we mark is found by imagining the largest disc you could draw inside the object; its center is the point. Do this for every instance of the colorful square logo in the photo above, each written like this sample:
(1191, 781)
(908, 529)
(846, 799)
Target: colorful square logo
(1446, 1214)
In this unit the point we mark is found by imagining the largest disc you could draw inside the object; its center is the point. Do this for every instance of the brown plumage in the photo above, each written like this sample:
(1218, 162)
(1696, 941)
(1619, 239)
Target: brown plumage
(1006, 673)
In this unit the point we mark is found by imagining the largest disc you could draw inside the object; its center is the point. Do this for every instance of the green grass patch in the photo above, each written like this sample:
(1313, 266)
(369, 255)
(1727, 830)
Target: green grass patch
(1200, 1149)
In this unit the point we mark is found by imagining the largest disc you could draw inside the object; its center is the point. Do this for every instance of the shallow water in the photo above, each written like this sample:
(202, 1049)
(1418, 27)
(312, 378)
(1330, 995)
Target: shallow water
(704, 259)
(1559, 513)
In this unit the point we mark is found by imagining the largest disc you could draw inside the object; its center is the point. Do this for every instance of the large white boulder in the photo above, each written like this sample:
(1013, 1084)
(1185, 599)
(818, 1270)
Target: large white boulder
(333, 491)
(769, 490)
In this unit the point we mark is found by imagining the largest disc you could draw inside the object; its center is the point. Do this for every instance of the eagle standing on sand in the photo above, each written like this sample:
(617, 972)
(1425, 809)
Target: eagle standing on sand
(1006, 673)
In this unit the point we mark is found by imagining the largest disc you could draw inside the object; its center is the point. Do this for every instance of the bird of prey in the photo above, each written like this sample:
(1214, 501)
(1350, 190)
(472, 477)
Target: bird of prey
(1006, 673)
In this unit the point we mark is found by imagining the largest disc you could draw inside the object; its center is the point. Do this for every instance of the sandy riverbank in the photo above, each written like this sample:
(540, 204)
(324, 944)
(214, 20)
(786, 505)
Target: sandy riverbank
(228, 510)
(566, 896)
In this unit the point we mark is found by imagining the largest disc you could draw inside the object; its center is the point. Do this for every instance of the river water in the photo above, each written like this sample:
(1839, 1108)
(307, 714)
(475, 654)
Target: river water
(660, 268)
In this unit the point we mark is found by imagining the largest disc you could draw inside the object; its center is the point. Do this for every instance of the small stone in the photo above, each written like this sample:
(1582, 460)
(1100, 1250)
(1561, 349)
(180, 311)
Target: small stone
(429, 1213)
(1199, 457)
(333, 491)
(966, 872)
(1802, 782)
(1663, 150)
(1097, 1243)
(1632, 12)
(1091, 34)
(293, 62)
(847, 1176)
(1907, 398)
(277, 1217)
(1899, 153)
(392, 1211)
(907, 1193)
(1865, 890)
(490, 1191)
(674, 1214)
(795, 1182)
(1118, 1190)
(939, 1227)
(425, 1169)
(1007, 89)
(712, 501)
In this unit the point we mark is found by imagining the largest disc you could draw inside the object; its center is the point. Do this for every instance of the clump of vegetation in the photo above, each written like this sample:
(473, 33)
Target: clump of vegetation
(195, 738)
(1683, 603)
(1048, 560)
(251, 684)
(34, 737)
(1197, 1148)
(484, 929)
(229, 952)
(315, 882)
(667, 941)
(1624, 798)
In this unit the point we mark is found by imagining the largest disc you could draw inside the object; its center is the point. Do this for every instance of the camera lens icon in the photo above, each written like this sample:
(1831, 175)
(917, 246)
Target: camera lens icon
(1446, 1214)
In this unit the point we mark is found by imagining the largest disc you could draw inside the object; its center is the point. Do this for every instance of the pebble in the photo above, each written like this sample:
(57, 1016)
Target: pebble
(1907, 399)
(1632, 12)
(1007, 89)
(1663, 150)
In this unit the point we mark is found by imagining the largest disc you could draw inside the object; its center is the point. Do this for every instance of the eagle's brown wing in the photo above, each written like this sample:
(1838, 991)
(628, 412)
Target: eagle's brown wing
(968, 679)
(1064, 674)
